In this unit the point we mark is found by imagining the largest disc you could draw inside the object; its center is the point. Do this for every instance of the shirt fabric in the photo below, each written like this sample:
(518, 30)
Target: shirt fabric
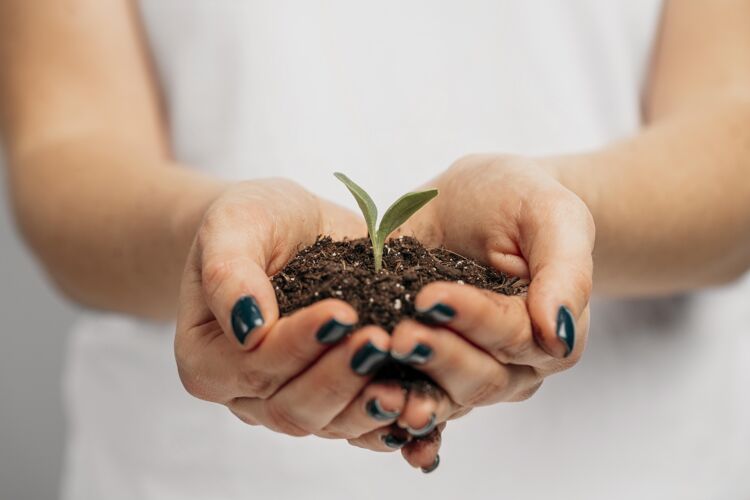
(391, 93)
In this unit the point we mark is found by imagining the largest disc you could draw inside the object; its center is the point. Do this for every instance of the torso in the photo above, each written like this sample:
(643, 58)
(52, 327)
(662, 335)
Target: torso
(392, 93)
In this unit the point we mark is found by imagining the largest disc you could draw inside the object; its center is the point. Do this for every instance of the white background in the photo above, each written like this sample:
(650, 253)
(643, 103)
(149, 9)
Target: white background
(34, 327)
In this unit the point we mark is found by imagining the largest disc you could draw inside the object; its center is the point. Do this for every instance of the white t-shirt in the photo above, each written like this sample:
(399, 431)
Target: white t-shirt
(392, 92)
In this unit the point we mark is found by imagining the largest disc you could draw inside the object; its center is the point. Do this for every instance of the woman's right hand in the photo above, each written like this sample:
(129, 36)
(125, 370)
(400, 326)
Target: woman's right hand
(301, 374)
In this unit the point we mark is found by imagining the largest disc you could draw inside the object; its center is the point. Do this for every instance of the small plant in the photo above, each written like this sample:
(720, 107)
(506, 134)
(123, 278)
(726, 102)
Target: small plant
(397, 214)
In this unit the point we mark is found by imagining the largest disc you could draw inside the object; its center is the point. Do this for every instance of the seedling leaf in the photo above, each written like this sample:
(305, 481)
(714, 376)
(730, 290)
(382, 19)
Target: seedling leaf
(402, 209)
(397, 214)
(369, 210)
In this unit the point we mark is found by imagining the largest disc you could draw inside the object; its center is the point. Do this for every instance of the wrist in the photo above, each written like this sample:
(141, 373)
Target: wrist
(575, 173)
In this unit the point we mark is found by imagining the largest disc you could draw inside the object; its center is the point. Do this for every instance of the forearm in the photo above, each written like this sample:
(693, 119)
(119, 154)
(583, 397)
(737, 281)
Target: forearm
(113, 229)
(671, 205)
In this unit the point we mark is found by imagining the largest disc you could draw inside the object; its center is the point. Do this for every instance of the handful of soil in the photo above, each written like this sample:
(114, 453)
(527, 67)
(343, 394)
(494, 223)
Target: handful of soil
(345, 270)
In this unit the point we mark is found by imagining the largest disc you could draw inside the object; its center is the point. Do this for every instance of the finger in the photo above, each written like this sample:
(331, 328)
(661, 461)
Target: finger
(384, 439)
(424, 452)
(231, 289)
(418, 452)
(236, 288)
(378, 405)
(558, 244)
(313, 399)
(426, 407)
(212, 368)
(469, 375)
(498, 324)
(296, 341)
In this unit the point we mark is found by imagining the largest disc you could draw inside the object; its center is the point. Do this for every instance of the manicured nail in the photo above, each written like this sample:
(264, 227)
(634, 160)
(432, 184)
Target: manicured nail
(436, 315)
(394, 442)
(418, 356)
(333, 331)
(368, 359)
(246, 317)
(378, 412)
(432, 467)
(424, 430)
(566, 329)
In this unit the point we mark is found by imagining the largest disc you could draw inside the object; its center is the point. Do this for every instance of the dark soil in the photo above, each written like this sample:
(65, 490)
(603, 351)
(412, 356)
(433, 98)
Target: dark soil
(345, 270)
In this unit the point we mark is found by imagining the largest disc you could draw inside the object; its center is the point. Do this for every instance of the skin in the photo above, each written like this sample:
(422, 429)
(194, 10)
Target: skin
(690, 164)
(80, 132)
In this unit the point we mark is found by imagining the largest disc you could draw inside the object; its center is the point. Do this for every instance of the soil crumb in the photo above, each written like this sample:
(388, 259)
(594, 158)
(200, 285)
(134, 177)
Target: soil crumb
(345, 270)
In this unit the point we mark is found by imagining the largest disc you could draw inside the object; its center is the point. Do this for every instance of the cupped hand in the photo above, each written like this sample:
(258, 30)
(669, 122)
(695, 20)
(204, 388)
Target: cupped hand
(306, 373)
(480, 347)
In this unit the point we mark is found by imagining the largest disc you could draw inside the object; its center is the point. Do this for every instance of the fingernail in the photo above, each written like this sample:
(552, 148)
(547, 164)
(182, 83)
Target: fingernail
(432, 467)
(436, 315)
(333, 331)
(378, 412)
(394, 442)
(246, 317)
(424, 430)
(566, 329)
(418, 356)
(368, 359)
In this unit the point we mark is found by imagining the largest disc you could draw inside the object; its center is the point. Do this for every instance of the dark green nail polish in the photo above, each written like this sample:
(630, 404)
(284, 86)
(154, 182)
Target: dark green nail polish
(246, 317)
(424, 430)
(418, 356)
(566, 329)
(432, 467)
(394, 442)
(368, 359)
(333, 331)
(436, 315)
(378, 412)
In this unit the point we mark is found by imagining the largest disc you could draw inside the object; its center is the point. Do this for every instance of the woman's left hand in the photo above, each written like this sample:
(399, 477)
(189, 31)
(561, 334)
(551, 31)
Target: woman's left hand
(480, 347)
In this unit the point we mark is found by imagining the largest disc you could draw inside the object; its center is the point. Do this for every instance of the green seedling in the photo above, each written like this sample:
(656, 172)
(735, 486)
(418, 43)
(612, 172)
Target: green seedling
(397, 214)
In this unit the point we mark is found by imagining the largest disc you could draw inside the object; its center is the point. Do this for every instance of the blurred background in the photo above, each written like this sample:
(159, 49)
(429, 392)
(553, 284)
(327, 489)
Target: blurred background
(35, 326)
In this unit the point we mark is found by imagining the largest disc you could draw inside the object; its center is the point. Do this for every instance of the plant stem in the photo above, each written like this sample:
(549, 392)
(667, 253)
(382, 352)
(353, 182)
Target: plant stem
(377, 253)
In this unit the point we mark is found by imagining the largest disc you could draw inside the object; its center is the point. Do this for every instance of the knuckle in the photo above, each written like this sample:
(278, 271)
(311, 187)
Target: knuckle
(284, 184)
(557, 365)
(488, 392)
(573, 359)
(581, 210)
(255, 383)
(468, 162)
(583, 282)
(215, 274)
(491, 307)
(281, 420)
(188, 370)
(526, 392)
(497, 305)
(206, 229)
(297, 353)
(357, 442)
(336, 433)
(518, 346)
(335, 390)
(192, 384)
(237, 209)
(462, 411)
(329, 434)
(244, 417)
(513, 337)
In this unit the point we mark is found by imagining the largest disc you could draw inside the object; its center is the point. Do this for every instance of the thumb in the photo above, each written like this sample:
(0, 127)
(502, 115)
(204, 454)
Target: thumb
(561, 268)
(225, 280)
